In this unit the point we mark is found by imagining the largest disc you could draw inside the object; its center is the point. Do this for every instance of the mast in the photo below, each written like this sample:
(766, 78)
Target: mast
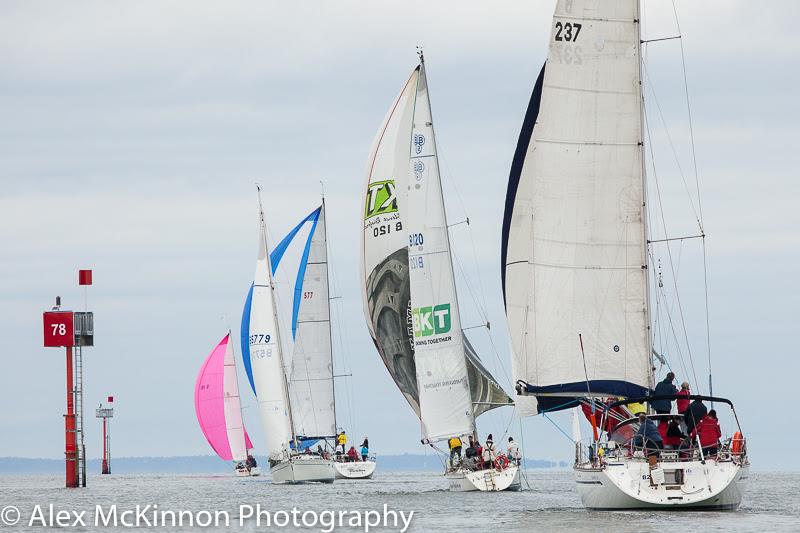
(646, 265)
(424, 76)
(330, 328)
(277, 325)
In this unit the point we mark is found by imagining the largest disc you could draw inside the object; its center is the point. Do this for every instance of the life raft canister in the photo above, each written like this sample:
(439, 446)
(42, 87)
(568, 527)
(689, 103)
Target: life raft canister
(737, 443)
(501, 462)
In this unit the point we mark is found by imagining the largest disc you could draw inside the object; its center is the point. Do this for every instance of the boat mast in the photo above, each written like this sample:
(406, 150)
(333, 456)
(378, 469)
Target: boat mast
(646, 266)
(330, 329)
(424, 76)
(277, 325)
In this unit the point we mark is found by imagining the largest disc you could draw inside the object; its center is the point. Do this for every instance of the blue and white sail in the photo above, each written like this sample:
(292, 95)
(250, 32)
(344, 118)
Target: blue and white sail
(573, 246)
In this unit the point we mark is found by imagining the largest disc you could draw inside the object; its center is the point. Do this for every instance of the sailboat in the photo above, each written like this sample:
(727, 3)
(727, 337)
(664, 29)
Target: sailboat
(311, 383)
(575, 269)
(267, 375)
(410, 298)
(219, 411)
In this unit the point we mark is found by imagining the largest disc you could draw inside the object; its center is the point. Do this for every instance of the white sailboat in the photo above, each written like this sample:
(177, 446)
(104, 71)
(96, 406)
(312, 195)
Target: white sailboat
(270, 382)
(311, 384)
(575, 266)
(409, 288)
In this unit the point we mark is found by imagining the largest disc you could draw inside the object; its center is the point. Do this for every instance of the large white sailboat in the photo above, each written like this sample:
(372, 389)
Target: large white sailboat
(269, 380)
(410, 296)
(575, 268)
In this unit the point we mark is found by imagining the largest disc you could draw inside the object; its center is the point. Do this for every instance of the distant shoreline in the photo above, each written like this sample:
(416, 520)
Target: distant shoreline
(209, 464)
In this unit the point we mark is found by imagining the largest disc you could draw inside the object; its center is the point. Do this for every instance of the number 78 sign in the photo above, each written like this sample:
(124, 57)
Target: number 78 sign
(59, 329)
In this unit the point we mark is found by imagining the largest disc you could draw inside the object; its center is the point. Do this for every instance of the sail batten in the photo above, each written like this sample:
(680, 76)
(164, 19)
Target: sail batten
(573, 251)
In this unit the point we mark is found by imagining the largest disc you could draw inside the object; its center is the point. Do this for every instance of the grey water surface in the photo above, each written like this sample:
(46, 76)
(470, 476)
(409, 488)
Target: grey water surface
(550, 504)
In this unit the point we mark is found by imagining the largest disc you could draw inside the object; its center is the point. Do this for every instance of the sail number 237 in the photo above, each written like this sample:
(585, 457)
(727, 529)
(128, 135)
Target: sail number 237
(567, 31)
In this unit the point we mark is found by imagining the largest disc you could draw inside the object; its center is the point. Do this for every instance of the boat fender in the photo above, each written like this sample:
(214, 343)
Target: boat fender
(501, 463)
(737, 443)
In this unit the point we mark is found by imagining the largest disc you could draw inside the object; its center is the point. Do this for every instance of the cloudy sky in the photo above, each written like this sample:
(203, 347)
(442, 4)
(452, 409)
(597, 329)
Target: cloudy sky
(132, 133)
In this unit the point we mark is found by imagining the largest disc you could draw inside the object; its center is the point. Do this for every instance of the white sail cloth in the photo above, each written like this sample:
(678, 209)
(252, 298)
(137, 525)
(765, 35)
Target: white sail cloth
(311, 384)
(266, 356)
(575, 235)
(232, 406)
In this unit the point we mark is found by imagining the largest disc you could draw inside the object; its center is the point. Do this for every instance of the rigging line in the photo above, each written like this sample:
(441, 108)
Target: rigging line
(699, 203)
(569, 438)
(651, 86)
(669, 250)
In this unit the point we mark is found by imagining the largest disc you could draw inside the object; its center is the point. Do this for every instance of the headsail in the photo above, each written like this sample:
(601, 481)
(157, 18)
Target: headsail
(217, 404)
(311, 383)
(574, 229)
(385, 258)
(266, 356)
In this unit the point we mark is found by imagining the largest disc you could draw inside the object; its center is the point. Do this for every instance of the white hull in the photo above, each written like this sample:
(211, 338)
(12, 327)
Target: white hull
(244, 472)
(355, 470)
(303, 469)
(626, 484)
(489, 480)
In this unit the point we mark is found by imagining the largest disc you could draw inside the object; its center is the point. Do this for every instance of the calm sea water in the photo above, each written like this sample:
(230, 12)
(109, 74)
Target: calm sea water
(551, 504)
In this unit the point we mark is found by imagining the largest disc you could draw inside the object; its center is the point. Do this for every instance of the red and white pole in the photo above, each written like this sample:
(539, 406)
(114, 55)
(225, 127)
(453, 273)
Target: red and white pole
(70, 437)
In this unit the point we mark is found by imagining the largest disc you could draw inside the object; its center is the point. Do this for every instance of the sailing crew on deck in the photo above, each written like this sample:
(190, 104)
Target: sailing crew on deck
(675, 435)
(339, 451)
(709, 432)
(683, 402)
(341, 438)
(489, 452)
(250, 463)
(647, 435)
(455, 450)
(513, 451)
(365, 449)
(694, 414)
(664, 388)
(352, 455)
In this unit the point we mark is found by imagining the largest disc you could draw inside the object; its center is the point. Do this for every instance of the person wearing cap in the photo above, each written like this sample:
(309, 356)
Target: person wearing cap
(664, 388)
(647, 436)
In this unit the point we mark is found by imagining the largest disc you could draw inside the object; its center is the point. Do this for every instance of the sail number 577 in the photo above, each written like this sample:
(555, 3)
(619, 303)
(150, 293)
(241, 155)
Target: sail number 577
(567, 31)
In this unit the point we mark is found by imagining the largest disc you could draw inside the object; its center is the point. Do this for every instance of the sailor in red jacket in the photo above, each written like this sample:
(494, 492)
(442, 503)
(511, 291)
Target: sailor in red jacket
(709, 432)
(683, 398)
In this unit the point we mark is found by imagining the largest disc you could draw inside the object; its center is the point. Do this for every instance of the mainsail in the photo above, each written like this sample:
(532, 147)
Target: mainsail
(311, 383)
(217, 404)
(574, 250)
(386, 267)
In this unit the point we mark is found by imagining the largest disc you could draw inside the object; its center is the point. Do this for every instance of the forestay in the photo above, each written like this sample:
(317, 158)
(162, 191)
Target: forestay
(574, 251)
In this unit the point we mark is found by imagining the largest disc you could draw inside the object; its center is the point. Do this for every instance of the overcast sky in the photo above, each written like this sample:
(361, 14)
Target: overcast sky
(131, 134)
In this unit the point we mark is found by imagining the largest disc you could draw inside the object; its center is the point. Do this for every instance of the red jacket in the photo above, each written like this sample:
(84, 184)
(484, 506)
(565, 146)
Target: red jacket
(709, 431)
(662, 430)
(683, 404)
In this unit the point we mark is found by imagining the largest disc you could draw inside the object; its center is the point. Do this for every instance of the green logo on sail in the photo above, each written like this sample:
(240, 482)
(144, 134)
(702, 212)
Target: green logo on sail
(380, 199)
(431, 320)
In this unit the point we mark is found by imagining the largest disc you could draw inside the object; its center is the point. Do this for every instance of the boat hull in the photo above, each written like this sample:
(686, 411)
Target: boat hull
(627, 485)
(355, 470)
(489, 480)
(302, 469)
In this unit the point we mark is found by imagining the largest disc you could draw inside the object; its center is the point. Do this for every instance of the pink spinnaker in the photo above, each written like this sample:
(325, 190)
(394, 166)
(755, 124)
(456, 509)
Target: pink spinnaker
(217, 405)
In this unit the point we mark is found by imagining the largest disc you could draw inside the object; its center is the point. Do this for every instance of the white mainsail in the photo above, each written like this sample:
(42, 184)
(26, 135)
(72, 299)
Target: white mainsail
(232, 406)
(384, 259)
(441, 367)
(266, 355)
(574, 230)
(311, 383)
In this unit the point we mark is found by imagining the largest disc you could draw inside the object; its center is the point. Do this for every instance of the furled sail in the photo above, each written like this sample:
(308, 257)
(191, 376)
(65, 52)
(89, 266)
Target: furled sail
(217, 404)
(311, 383)
(266, 356)
(385, 259)
(574, 251)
